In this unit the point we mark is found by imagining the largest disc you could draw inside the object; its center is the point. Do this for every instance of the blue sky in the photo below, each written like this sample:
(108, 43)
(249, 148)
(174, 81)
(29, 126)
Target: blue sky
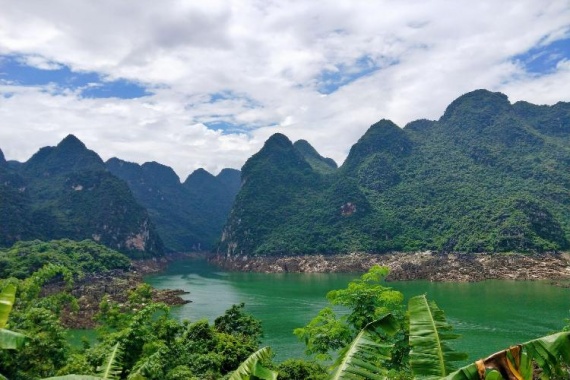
(15, 70)
(543, 59)
(204, 84)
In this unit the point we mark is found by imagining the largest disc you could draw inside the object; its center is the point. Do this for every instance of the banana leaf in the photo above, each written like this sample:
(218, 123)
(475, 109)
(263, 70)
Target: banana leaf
(361, 358)
(11, 340)
(7, 298)
(430, 355)
(251, 368)
(549, 353)
(108, 371)
(73, 377)
(111, 369)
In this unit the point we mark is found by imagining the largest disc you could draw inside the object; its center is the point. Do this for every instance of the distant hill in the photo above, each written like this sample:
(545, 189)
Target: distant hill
(66, 192)
(487, 176)
(189, 216)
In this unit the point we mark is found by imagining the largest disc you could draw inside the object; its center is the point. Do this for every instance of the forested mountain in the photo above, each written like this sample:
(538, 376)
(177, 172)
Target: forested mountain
(189, 215)
(67, 192)
(487, 176)
(317, 162)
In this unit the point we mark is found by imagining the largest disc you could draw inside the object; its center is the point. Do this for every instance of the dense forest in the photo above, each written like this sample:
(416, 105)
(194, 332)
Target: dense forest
(67, 191)
(488, 176)
(189, 216)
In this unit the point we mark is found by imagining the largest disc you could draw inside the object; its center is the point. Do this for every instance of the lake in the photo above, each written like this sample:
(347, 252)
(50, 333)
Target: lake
(490, 315)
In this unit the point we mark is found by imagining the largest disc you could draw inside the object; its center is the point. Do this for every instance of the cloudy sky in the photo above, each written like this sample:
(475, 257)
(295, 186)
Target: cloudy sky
(204, 83)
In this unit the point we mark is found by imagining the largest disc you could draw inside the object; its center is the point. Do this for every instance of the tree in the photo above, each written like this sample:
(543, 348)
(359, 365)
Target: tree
(9, 340)
(365, 299)
(252, 369)
(431, 357)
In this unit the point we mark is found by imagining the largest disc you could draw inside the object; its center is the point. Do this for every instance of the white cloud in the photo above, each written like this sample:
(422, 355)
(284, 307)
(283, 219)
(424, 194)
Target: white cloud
(270, 55)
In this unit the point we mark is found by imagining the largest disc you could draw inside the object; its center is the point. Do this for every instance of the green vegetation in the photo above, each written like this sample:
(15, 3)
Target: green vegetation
(488, 176)
(136, 339)
(27, 257)
(66, 192)
(145, 342)
(318, 163)
(189, 216)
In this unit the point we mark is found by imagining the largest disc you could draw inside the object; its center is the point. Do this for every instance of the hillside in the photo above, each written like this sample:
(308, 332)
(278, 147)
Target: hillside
(189, 216)
(66, 192)
(487, 176)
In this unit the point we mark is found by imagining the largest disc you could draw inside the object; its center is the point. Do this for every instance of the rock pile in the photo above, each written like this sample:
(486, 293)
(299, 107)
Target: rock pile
(90, 290)
(457, 267)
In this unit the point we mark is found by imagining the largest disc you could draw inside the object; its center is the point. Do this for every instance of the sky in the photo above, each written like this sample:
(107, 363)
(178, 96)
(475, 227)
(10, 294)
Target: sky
(203, 84)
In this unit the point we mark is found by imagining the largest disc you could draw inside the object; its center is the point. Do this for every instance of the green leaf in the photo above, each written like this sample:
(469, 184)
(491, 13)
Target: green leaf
(251, 367)
(11, 340)
(548, 352)
(111, 368)
(493, 375)
(430, 356)
(360, 359)
(73, 377)
(7, 298)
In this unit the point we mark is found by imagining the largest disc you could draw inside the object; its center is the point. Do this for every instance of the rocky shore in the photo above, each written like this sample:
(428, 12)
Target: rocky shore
(117, 284)
(455, 267)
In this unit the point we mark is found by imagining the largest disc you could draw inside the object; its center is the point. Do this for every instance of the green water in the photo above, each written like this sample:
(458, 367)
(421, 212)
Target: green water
(489, 315)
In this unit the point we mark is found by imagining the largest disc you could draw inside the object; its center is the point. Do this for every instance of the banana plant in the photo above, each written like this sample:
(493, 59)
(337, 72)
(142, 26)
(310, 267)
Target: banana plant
(9, 340)
(251, 368)
(430, 357)
(549, 353)
(361, 358)
(110, 370)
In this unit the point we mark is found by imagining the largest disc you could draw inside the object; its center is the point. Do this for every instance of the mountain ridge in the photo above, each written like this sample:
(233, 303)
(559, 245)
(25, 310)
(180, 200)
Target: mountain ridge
(189, 215)
(66, 192)
(487, 176)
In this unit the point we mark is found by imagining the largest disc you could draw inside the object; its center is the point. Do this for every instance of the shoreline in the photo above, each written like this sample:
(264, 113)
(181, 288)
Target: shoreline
(115, 284)
(450, 267)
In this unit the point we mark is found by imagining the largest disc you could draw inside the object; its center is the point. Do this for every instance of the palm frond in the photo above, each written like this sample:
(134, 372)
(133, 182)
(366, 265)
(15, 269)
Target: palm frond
(430, 355)
(548, 352)
(361, 358)
(252, 367)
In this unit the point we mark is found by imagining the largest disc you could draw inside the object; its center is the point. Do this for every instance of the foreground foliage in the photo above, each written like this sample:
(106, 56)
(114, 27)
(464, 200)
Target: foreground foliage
(375, 337)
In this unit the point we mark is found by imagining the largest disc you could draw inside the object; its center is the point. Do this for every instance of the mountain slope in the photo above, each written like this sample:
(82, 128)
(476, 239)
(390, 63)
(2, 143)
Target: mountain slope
(66, 192)
(487, 176)
(318, 163)
(188, 216)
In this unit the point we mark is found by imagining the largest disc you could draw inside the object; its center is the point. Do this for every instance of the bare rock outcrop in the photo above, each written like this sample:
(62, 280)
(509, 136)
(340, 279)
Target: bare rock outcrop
(459, 267)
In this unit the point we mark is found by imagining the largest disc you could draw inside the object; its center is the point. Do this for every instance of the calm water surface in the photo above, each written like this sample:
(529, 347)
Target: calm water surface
(490, 315)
